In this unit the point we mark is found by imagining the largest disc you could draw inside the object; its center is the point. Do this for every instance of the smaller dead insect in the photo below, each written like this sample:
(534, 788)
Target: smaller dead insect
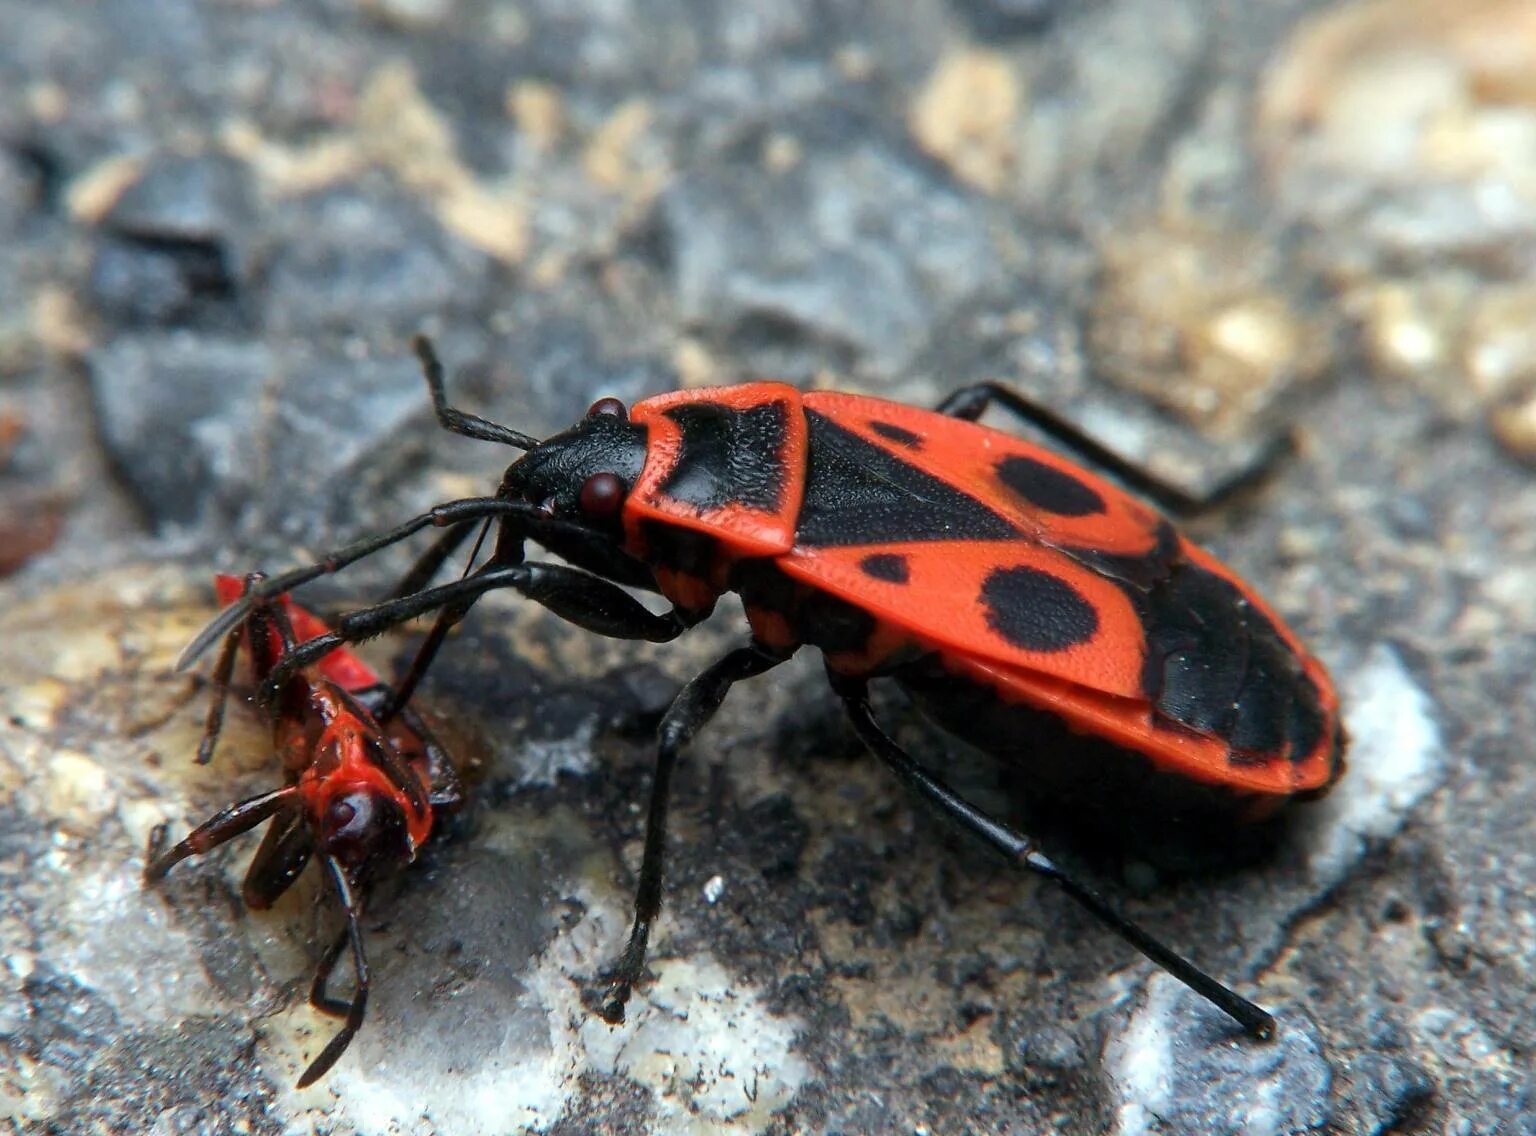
(363, 788)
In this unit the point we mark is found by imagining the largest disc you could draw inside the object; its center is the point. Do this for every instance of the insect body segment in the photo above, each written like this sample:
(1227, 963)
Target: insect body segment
(1002, 585)
(360, 796)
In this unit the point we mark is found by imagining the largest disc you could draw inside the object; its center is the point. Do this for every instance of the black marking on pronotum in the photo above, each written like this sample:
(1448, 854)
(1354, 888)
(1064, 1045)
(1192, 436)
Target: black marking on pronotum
(858, 493)
(1037, 611)
(891, 567)
(898, 434)
(729, 456)
(1046, 487)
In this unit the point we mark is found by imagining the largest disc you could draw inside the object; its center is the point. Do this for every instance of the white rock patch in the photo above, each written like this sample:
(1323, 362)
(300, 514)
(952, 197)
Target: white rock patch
(704, 1045)
(1395, 759)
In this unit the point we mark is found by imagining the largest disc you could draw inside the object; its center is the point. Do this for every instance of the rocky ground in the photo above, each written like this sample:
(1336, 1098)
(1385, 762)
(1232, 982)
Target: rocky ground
(1192, 225)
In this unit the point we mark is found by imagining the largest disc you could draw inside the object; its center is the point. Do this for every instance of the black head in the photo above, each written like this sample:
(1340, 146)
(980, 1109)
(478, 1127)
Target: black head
(582, 474)
(362, 827)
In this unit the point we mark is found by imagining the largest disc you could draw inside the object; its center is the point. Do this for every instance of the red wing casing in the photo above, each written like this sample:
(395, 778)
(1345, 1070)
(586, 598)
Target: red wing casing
(1060, 590)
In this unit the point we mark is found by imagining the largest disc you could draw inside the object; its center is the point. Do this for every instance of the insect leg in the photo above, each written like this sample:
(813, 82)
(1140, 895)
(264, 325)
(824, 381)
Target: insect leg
(440, 516)
(283, 855)
(223, 669)
(970, 403)
(430, 561)
(319, 996)
(447, 619)
(223, 825)
(358, 1006)
(578, 597)
(1023, 851)
(693, 707)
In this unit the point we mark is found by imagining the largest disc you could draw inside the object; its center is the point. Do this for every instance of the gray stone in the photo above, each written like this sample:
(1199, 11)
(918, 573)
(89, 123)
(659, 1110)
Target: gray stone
(1179, 1067)
(849, 251)
(176, 244)
(175, 414)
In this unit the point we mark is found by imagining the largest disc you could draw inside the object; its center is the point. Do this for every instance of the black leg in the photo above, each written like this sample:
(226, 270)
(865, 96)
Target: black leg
(972, 402)
(223, 825)
(281, 858)
(1022, 850)
(415, 580)
(354, 1010)
(694, 706)
(578, 597)
(457, 421)
(223, 669)
(401, 693)
(431, 561)
(441, 516)
(319, 996)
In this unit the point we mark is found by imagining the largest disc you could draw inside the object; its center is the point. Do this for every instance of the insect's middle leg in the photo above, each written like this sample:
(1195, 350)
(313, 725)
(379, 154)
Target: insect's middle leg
(694, 706)
(320, 996)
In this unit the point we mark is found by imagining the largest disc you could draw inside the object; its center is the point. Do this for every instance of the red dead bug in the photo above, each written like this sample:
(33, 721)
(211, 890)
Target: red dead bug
(360, 794)
(1030, 606)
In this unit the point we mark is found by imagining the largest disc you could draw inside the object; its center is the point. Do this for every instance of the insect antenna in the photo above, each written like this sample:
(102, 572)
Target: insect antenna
(459, 421)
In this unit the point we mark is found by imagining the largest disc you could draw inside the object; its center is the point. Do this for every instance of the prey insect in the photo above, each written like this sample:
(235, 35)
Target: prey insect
(360, 795)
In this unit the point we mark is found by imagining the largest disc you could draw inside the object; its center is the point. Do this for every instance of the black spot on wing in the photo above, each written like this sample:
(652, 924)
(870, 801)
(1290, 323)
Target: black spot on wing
(898, 434)
(1036, 611)
(729, 456)
(1048, 488)
(858, 493)
(891, 567)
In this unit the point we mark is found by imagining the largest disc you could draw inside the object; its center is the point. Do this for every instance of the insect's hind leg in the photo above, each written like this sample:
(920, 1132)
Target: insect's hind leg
(694, 706)
(223, 672)
(1023, 851)
(971, 402)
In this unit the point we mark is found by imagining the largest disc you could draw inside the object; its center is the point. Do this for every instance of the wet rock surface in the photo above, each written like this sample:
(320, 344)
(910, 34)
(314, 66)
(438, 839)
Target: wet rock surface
(1190, 227)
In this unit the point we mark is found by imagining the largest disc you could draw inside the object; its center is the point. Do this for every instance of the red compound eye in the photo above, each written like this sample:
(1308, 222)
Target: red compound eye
(602, 495)
(609, 406)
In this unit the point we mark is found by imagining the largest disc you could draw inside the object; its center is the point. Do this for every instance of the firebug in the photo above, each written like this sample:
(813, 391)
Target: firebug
(1034, 608)
(360, 794)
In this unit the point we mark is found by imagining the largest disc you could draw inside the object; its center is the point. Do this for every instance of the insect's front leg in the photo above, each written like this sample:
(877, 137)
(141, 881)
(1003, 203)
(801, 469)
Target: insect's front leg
(226, 824)
(578, 597)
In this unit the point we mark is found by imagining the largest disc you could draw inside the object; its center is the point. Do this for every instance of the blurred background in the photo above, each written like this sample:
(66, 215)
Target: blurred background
(1191, 225)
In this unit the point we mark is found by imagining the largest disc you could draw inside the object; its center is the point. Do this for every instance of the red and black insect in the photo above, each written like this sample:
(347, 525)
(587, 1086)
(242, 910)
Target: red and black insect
(360, 793)
(1031, 607)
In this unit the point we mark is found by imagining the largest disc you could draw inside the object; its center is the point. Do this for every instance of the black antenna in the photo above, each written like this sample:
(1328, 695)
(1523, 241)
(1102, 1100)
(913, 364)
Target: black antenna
(458, 421)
